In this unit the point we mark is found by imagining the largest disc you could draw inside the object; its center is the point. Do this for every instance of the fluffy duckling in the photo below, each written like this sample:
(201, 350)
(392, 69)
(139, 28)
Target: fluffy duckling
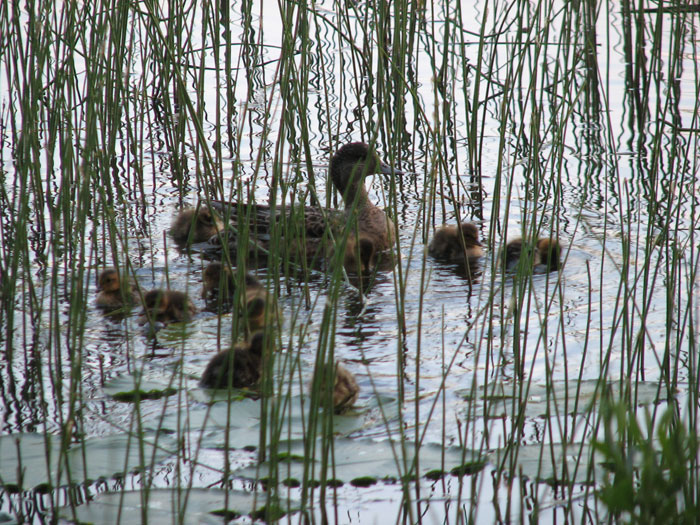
(546, 256)
(548, 251)
(167, 306)
(218, 282)
(259, 308)
(447, 243)
(359, 254)
(111, 296)
(240, 366)
(345, 389)
(200, 223)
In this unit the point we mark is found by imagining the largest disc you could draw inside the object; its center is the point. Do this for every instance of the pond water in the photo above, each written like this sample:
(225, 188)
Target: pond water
(522, 117)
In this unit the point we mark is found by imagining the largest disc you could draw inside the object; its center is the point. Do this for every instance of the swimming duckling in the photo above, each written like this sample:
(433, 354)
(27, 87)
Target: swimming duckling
(260, 309)
(546, 256)
(359, 254)
(345, 389)
(447, 243)
(200, 223)
(548, 251)
(166, 306)
(239, 367)
(217, 281)
(348, 168)
(111, 296)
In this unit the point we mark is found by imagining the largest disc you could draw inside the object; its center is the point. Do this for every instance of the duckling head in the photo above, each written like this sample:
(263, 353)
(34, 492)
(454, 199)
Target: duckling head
(108, 280)
(156, 301)
(471, 234)
(345, 390)
(201, 224)
(549, 253)
(359, 254)
(217, 277)
(447, 243)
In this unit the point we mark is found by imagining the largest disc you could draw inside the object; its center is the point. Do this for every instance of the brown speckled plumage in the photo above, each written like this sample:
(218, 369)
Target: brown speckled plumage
(219, 285)
(345, 390)
(239, 367)
(166, 306)
(195, 225)
(546, 254)
(111, 296)
(348, 168)
(456, 244)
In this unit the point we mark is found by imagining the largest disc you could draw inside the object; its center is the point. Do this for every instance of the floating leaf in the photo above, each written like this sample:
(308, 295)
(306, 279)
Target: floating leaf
(132, 388)
(502, 400)
(363, 463)
(24, 457)
(189, 506)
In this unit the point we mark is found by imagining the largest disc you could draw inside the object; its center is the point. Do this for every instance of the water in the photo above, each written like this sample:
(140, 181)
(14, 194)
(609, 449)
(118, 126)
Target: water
(606, 176)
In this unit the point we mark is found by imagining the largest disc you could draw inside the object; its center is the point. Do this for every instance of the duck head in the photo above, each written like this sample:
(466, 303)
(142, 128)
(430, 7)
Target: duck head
(349, 166)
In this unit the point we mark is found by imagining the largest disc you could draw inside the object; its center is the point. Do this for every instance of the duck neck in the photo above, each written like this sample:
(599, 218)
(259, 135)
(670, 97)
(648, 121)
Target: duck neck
(356, 194)
(349, 180)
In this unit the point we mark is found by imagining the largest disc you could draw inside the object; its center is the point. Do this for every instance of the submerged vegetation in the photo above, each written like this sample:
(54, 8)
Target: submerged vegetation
(487, 391)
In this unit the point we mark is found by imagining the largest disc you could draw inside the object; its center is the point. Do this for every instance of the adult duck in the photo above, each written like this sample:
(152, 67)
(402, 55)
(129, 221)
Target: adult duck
(348, 168)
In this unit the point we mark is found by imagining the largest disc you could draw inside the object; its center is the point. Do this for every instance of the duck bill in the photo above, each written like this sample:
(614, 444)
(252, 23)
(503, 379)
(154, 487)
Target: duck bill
(386, 169)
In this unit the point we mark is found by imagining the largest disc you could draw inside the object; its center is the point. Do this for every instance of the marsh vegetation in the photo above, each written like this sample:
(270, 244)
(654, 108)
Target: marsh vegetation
(485, 395)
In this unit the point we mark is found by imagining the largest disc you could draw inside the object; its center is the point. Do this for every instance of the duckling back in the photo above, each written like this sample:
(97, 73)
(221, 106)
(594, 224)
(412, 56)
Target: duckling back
(545, 257)
(167, 306)
(259, 307)
(456, 243)
(548, 253)
(195, 225)
(345, 389)
(238, 367)
(217, 282)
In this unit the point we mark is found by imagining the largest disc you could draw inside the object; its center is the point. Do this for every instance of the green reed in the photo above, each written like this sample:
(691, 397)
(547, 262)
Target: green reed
(115, 112)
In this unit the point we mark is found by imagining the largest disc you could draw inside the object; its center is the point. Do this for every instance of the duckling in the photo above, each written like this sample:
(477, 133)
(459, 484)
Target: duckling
(167, 306)
(359, 254)
(447, 243)
(546, 256)
(548, 253)
(111, 296)
(348, 168)
(200, 223)
(345, 389)
(217, 280)
(260, 310)
(239, 367)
